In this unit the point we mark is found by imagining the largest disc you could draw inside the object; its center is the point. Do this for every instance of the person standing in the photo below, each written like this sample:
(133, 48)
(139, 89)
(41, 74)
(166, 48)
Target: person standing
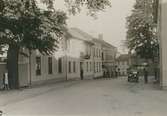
(145, 75)
(5, 80)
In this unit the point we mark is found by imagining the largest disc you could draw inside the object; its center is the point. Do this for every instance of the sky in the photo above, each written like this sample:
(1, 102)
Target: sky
(111, 23)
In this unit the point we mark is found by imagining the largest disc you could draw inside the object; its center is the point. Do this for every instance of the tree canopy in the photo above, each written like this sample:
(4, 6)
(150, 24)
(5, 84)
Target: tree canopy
(23, 24)
(142, 32)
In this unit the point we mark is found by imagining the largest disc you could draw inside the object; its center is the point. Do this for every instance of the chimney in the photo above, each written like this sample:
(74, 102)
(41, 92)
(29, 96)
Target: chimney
(100, 36)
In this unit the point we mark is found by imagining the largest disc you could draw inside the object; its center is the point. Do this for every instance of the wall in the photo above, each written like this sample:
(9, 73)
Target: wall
(44, 68)
(163, 35)
(75, 73)
(23, 74)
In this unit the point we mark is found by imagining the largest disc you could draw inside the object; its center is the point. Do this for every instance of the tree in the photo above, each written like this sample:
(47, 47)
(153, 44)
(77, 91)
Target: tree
(142, 34)
(23, 24)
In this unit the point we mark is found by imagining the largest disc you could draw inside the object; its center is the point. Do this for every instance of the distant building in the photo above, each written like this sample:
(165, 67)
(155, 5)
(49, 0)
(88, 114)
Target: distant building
(122, 64)
(108, 56)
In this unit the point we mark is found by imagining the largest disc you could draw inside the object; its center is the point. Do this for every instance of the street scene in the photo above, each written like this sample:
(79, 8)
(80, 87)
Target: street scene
(83, 57)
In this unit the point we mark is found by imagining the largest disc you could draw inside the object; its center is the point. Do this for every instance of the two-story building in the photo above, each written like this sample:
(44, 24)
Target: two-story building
(77, 51)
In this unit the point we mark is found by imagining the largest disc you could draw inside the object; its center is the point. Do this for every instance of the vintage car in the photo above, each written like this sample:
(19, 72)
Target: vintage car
(133, 76)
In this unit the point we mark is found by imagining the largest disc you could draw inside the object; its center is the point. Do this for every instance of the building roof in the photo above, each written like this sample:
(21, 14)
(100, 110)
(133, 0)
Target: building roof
(79, 34)
(106, 44)
(123, 57)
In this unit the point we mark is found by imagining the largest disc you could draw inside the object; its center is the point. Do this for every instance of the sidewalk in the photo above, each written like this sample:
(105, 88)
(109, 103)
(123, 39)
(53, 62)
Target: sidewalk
(14, 96)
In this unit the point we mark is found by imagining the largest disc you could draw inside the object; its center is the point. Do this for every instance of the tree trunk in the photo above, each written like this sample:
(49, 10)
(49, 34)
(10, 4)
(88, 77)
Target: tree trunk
(12, 66)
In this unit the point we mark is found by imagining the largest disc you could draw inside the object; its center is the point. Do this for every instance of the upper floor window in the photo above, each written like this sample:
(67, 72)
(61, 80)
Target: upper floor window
(102, 55)
(69, 67)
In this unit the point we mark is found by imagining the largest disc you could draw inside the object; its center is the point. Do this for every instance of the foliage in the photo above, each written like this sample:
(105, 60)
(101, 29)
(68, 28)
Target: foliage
(142, 34)
(23, 24)
(93, 6)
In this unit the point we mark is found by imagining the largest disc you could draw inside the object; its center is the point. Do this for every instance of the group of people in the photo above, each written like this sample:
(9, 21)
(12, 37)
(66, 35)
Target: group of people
(109, 73)
(5, 81)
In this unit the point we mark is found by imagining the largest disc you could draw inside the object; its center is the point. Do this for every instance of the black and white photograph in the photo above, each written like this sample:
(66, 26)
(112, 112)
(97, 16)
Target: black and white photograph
(83, 57)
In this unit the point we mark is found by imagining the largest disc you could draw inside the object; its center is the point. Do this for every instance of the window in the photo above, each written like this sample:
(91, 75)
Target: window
(87, 66)
(50, 69)
(94, 67)
(102, 56)
(60, 65)
(90, 51)
(98, 52)
(94, 52)
(97, 67)
(38, 65)
(74, 66)
(69, 67)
